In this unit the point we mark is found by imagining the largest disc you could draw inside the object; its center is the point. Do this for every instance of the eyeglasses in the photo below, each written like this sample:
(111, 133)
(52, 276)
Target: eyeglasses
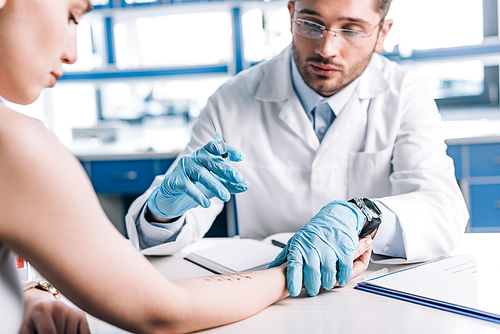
(345, 37)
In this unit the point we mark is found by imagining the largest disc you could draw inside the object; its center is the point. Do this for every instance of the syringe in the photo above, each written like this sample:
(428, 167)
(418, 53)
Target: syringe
(220, 143)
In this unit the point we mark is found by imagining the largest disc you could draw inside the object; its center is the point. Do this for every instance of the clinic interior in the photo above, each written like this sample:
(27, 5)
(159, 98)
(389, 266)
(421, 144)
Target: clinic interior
(146, 68)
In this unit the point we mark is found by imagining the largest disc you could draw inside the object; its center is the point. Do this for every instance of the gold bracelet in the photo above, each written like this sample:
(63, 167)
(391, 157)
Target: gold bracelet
(44, 286)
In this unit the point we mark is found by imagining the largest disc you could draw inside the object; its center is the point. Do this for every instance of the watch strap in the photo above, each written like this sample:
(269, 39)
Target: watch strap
(372, 221)
(369, 228)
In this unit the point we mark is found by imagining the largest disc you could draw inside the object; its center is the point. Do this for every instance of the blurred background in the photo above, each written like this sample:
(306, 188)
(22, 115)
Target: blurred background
(146, 68)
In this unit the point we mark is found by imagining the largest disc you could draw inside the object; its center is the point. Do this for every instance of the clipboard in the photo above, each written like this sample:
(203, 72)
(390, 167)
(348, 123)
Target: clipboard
(454, 284)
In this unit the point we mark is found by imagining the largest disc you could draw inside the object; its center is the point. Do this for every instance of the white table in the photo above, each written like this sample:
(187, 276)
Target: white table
(343, 310)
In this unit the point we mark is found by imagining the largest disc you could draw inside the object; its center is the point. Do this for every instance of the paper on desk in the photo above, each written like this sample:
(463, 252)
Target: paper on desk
(456, 284)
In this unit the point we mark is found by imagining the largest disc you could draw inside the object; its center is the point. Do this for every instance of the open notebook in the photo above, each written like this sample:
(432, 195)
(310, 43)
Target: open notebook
(239, 255)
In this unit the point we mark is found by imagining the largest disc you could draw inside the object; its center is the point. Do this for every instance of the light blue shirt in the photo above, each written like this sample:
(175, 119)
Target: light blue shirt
(389, 241)
(310, 99)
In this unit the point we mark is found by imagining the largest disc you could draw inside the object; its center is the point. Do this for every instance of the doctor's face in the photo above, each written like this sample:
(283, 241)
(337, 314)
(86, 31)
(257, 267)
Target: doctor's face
(329, 61)
(36, 37)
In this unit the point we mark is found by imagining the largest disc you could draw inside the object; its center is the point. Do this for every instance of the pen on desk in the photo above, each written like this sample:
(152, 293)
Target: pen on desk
(277, 243)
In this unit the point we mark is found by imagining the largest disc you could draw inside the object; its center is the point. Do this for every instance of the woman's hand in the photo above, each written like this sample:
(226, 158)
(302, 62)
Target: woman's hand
(44, 314)
(362, 256)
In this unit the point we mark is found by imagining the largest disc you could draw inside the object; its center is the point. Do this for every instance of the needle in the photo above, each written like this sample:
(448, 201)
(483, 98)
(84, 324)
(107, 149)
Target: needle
(220, 143)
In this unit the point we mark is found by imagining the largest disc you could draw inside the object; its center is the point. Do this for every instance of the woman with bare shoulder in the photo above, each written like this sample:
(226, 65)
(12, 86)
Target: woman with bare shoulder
(51, 216)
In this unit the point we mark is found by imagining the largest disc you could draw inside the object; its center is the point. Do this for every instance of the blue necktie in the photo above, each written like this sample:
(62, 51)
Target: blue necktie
(322, 119)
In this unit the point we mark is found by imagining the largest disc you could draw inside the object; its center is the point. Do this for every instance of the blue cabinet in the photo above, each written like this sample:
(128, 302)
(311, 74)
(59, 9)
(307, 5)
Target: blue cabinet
(455, 153)
(485, 159)
(119, 182)
(485, 203)
(130, 178)
(124, 177)
(477, 169)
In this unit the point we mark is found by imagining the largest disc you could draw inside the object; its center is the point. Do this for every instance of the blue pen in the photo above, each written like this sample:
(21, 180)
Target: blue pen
(220, 143)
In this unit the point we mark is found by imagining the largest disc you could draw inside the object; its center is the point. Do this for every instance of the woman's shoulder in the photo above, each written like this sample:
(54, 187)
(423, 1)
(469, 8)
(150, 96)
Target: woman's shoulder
(14, 127)
(23, 138)
(15, 124)
(34, 168)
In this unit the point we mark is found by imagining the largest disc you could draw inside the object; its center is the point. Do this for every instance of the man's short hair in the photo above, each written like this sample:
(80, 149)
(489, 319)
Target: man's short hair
(382, 7)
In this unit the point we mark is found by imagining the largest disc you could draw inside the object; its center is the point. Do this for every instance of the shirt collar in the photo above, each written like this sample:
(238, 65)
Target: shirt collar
(310, 99)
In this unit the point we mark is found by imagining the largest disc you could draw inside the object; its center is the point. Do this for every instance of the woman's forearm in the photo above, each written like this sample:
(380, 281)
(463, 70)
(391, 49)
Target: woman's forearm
(221, 299)
(187, 305)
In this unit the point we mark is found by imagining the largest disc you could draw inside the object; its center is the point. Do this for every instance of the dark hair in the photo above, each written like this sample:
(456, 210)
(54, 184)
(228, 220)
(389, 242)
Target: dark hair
(382, 7)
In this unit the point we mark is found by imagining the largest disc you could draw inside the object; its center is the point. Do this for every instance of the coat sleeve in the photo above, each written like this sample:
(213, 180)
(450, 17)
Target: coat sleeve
(425, 195)
(197, 221)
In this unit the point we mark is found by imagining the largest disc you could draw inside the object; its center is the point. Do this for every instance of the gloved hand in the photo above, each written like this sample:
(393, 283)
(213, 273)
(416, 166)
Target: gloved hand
(313, 252)
(196, 179)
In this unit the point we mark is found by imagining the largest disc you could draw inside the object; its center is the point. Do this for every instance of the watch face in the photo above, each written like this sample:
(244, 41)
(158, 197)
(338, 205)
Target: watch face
(375, 211)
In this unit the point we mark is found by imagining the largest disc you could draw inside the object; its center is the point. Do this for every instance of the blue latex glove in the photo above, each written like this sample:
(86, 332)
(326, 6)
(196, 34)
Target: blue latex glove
(313, 252)
(196, 179)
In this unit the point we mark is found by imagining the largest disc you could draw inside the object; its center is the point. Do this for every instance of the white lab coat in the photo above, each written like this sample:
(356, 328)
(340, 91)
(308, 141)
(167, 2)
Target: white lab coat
(385, 145)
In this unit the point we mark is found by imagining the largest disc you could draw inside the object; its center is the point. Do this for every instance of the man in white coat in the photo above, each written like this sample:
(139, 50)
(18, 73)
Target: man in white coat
(327, 121)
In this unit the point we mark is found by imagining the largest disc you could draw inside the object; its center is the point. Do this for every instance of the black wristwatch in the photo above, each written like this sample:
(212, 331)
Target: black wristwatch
(372, 213)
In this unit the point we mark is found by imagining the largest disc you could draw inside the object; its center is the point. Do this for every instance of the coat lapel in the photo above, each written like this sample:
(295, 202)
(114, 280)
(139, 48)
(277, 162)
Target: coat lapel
(354, 116)
(275, 87)
(276, 91)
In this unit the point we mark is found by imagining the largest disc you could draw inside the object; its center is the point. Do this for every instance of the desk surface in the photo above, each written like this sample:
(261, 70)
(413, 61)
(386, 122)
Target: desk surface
(343, 310)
